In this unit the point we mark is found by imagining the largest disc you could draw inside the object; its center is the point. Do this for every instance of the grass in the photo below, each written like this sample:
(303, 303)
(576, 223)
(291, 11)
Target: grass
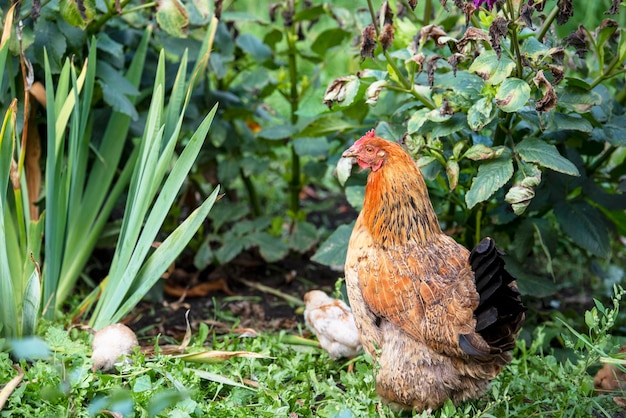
(292, 380)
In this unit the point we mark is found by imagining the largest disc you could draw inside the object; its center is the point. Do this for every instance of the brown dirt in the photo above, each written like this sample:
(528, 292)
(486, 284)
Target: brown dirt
(219, 298)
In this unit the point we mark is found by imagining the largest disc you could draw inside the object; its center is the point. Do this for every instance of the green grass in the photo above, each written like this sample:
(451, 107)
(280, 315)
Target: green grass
(294, 380)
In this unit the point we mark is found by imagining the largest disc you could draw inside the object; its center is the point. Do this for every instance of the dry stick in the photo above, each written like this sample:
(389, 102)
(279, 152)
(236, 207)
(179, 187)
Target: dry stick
(272, 291)
(8, 389)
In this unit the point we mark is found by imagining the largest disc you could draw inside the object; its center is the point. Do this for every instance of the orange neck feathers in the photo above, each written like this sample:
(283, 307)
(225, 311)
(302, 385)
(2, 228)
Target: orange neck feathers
(397, 208)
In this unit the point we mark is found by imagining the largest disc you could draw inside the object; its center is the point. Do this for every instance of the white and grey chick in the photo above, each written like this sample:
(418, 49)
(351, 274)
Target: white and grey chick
(333, 323)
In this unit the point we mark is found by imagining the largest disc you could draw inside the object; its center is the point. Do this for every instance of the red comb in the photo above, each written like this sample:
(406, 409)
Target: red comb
(370, 134)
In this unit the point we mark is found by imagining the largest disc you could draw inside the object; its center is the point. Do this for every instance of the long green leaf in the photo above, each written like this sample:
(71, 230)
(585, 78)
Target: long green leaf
(8, 307)
(122, 280)
(99, 198)
(31, 303)
(165, 255)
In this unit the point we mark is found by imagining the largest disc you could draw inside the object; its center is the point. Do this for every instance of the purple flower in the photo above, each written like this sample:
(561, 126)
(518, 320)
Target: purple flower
(490, 3)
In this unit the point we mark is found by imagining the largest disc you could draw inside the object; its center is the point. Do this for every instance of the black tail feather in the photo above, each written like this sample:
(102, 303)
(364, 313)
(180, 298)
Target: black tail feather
(500, 313)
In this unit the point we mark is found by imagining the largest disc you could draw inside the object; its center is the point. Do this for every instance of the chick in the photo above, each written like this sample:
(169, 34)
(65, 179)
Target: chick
(110, 344)
(333, 323)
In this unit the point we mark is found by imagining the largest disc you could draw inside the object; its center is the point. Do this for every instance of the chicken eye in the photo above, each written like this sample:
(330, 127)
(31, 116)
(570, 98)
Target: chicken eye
(369, 150)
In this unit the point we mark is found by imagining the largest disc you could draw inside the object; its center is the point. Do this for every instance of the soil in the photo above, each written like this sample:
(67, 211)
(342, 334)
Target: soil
(227, 297)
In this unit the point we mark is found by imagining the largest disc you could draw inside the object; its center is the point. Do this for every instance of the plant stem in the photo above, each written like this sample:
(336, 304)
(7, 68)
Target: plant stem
(252, 194)
(479, 216)
(600, 160)
(607, 74)
(514, 40)
(295, 186)
(428, 7)
(548, 22)
(95, 27)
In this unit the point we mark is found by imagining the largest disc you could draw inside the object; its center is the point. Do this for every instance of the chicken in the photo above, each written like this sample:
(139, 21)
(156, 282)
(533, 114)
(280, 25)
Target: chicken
(333, 323)
(439, 322)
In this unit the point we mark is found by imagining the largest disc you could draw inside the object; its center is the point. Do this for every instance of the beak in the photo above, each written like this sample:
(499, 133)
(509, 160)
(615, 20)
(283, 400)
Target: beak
(349, 153)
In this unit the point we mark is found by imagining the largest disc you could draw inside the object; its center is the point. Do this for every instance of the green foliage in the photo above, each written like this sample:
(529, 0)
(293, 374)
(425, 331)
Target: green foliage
(519, 121)
(298, 378)
(90, 159)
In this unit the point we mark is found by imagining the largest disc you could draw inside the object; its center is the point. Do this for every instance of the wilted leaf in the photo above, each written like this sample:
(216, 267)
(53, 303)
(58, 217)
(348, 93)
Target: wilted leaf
(512, 94)
(492, 175)
(77, 12)
(585, 225)
(373, 91)
(546, 155)
(218, 378)
(344, 169)
(342, 91)
(519, 197)
(217, 356)
(452, 171)
(493, 70)
(172, 18)
(479, 152)
(480, 114)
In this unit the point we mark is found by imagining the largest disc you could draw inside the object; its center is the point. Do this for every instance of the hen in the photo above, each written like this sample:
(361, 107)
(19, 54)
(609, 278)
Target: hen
(439, 321)
(333, 323)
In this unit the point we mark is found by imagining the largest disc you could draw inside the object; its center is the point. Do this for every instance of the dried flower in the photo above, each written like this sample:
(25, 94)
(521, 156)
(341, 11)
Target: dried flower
(490, 3)
(368, 41)
(386, 36)
(566, 10)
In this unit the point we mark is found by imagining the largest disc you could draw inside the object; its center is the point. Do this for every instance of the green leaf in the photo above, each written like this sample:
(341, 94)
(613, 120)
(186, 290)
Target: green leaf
(512, 94)
(254, 46)
(546, 155)
(310, 13)
(355, 196)
(229, 250)
(77, 12)
(578, 100)
(585, 225)
(570, 121)
(480, 114)
(277, 132)
(438, 129)
(529, 284)
(333, 251)
(272, 248)
(172, 18)
(311, 147)
(533, 49)
(327, 124)
(493, 70)
(329, 39)
(492, 175)
(303, 237)
(31, 304)
(30, 348)
(417, 119)
(613, 132)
